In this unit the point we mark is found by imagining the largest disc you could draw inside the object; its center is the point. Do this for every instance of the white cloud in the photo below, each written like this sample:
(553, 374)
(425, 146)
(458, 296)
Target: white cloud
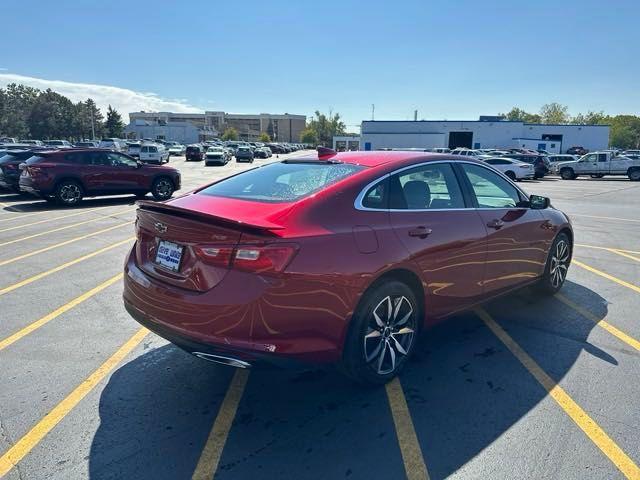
(122, 99)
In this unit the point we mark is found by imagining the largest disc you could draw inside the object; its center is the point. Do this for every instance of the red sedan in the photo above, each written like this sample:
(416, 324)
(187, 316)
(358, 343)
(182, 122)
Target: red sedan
(342, 258)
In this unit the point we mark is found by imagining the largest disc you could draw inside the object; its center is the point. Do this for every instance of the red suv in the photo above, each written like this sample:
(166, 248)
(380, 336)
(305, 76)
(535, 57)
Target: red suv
(67, 176)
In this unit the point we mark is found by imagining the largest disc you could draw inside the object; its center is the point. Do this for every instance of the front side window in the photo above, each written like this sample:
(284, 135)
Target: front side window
(118, 160)
(490, 189)
(425, 187)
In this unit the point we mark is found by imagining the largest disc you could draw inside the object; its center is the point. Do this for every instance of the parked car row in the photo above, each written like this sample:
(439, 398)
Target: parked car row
(66, 176)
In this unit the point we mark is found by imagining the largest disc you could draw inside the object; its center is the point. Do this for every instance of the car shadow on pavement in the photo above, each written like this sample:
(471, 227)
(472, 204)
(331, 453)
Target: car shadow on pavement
(464, 390)
(38, 205)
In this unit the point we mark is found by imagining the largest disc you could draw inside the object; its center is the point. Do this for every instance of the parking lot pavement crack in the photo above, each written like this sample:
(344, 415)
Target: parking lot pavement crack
(6, 438)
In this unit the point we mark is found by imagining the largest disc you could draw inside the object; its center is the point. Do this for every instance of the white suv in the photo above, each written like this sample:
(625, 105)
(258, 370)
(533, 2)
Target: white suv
(154, 153)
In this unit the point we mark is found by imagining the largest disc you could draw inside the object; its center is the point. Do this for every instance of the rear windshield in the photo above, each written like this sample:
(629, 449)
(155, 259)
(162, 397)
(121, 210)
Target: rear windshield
(281, 182)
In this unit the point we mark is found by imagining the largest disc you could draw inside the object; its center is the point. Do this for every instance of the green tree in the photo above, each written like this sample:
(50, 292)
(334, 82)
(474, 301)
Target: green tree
(89, 122)
(16, 102)
(264, 137)
(308, 135)
(326, 127)
(625, 131)
(590, 118)
(517, 114)
(554, 113)
(114, 126)
(230, 134)
(51, 116)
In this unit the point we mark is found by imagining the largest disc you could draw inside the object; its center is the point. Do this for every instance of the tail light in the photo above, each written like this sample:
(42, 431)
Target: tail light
(216, 255)
(249, 258)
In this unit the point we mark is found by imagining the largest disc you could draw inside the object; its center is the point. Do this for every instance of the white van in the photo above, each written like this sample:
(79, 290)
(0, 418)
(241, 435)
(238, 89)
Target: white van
(154, 153)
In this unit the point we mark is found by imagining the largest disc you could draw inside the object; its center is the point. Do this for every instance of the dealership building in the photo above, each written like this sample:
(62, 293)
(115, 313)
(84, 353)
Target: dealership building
(487, 132)
(198, 127)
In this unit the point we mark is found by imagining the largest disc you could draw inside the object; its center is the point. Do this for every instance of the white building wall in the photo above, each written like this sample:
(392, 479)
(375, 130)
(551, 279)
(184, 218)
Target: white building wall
(435, 133)
(591, 137)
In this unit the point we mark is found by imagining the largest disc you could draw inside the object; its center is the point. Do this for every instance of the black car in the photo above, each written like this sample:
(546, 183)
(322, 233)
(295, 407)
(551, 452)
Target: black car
(540, 163)
(577, 151)
(195, 152)
(10, 167)
(276, 148)
(244, 154)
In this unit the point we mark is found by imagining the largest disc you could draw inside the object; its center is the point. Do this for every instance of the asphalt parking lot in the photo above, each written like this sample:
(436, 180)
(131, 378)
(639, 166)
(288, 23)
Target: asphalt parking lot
(524, 388)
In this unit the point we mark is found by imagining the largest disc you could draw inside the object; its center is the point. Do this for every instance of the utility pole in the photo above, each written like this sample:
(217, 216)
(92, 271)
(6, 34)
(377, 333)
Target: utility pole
(415, 115)
(373, 111)
(93, 128)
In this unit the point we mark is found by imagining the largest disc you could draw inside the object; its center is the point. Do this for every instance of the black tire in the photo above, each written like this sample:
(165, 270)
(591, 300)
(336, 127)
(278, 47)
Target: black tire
(557, 266)
(567, 174)
(162, 188)
(634, 174)
(69, 193)
(368, 360)
(511, 175)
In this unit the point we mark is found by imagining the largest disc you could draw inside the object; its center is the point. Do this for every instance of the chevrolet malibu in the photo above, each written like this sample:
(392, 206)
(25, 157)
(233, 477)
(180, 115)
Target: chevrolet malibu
(341, 259)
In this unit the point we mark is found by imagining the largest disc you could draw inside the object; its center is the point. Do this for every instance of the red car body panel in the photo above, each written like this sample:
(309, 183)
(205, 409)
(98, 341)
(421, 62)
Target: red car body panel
(303, 312)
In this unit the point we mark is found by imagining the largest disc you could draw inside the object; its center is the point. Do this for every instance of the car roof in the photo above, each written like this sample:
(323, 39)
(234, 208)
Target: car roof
(383, 157)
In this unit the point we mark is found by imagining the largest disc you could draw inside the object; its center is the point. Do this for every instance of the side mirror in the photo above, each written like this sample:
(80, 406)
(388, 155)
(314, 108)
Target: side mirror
(139, 164)
(537, 202)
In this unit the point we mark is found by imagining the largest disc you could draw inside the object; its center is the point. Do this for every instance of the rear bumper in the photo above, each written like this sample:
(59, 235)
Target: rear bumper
(26, 184)
(245, 316)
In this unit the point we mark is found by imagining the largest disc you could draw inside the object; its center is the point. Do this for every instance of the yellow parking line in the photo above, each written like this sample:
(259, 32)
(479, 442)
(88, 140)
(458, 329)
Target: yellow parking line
(28, 237)
(23, 446)
(210, 456)
(56, 313)
(631, 286)
(32, 279)
(61, 244)
(609, 249)
(597, 435)
(75, 214)
(414, 465)
(632, 342)
(24, 214)
(624, 254)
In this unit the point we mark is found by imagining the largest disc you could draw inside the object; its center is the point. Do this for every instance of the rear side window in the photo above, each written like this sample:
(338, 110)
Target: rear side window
(425, 187)
(281, 182)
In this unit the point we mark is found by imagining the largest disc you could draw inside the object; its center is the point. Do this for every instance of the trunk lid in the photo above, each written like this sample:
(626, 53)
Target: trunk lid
(193, 225)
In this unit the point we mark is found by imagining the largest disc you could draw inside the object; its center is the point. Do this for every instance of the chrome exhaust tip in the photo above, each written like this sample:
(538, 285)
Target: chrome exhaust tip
(231, 362)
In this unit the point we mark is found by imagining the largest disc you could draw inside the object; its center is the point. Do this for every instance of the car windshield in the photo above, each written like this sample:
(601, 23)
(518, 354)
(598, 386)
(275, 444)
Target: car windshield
(281, 182)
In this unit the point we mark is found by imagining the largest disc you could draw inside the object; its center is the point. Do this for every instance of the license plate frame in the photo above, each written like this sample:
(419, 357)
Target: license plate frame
(166, 256)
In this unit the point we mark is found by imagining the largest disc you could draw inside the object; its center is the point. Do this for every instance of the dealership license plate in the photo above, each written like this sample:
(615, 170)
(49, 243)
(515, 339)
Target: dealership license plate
(169, 255)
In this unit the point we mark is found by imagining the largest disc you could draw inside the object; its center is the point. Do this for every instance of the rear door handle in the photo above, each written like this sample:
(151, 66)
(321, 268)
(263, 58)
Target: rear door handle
(497, 224)
(420, 232)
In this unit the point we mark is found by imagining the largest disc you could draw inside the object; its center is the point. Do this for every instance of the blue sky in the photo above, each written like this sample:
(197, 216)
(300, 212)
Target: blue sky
(447, 59)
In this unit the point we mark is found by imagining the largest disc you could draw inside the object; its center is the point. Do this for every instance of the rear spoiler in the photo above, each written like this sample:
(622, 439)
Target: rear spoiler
(183, 212)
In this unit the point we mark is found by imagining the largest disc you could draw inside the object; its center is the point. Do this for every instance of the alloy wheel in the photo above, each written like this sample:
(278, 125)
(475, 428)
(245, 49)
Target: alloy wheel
(390, 333)
(559, 264)
(70, 193)
(164, 188)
